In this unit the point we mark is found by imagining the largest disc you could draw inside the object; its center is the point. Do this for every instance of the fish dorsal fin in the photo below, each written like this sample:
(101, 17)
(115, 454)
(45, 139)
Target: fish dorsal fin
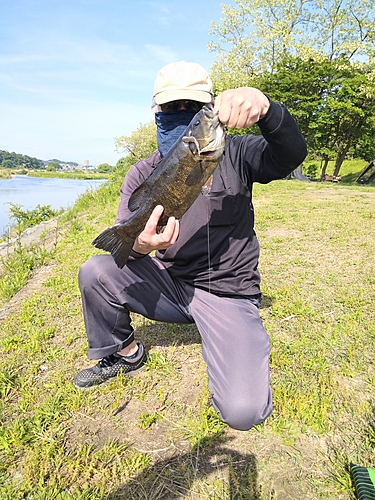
(196, 175)
(137, 198)
(192, 143)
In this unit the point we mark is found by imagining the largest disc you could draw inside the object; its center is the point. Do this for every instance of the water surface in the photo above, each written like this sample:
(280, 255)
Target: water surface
(32, 191)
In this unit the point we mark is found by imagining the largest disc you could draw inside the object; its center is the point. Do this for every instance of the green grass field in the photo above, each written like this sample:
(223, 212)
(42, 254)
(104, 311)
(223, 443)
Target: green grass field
(154, 436)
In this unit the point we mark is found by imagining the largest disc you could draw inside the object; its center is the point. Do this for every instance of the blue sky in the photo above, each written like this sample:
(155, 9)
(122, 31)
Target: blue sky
(74, 74)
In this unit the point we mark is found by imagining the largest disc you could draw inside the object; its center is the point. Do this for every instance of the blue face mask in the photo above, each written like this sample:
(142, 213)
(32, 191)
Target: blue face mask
(170, 127)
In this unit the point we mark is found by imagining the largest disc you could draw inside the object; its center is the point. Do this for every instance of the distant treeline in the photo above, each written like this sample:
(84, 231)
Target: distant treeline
(62, 162)
(16, 160)
(19, 161)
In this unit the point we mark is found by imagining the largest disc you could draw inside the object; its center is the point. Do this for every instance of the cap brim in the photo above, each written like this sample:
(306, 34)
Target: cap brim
(175, 95)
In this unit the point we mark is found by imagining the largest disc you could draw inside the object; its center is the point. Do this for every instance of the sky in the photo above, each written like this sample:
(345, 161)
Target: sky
(75, 74)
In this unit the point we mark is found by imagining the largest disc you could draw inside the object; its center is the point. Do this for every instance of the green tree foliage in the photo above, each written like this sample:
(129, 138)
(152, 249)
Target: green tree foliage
(123, 165)
(62, 162)
(8, 163)
(104, 168)
(53, 166)
(332, 101)
(255, 35)
(315, 56)
(352, 108)
(365, 147)
(17, 161)
(140, 144)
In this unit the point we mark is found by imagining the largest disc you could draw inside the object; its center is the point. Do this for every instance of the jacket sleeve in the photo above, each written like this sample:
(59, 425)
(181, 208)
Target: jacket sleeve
(136, 174)
(273, 155)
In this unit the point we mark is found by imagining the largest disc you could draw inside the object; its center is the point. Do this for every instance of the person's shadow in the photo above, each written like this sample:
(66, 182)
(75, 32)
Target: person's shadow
(236, 476)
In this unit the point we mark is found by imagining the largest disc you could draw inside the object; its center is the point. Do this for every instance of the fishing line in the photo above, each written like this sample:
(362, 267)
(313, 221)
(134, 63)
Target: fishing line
(205, 191)
(206, 188)
(208, 245)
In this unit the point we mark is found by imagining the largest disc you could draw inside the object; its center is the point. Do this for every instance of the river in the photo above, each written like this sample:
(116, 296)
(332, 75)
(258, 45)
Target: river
(32, 191)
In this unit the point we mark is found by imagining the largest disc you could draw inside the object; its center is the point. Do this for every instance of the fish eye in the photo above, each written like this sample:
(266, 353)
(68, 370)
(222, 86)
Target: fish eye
(197, 123)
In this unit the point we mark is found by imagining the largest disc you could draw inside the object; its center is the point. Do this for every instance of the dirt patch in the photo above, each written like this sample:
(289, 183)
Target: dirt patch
(43, 232)
(33, 285)
(168, 397)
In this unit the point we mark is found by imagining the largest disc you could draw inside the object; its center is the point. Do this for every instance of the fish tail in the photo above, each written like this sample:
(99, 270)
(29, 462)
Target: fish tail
(119, 246)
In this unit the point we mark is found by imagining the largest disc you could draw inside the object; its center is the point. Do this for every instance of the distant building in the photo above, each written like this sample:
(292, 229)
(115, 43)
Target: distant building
(86, 163)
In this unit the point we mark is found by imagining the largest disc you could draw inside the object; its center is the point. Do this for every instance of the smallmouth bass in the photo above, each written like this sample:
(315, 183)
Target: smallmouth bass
(175, 183)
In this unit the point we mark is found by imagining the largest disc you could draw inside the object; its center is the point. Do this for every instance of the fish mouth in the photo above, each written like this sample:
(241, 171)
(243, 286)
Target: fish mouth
(212, 147)
(206, 154)
(214, 140)
(211, 115)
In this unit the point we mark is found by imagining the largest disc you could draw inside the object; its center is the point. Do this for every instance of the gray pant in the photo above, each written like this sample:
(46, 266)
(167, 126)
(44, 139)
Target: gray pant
(235, 346)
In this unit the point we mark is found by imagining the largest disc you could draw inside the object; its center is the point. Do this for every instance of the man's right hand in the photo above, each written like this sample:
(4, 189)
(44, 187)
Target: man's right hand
(149, 240)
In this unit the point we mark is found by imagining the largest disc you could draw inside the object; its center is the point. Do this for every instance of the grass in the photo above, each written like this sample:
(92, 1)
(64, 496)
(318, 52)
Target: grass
(18, 266)
(154, 436)
(4, 173)
(349, 171)
(68, 174)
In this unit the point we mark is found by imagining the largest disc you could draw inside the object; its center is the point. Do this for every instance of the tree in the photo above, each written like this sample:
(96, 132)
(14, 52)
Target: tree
(302, 85)
(104, 168)
(140, 144)
(353, 107)
(255, 35)
(16, 160)
(316, 56)
(123, 164)
(52, 166)
(332, 101)
(365, 148)
(7, 163)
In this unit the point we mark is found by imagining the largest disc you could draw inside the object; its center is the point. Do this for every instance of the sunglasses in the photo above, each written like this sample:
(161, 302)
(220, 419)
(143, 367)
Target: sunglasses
(174, 106)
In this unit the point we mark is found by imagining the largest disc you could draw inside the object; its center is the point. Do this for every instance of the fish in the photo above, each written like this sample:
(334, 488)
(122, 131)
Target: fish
(175, 183)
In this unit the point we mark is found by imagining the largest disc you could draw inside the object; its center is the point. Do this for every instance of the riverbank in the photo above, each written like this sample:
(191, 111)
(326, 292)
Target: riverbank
(31, 236)
(5, 174)
(155, 434)
(69, 174)
(54, 174)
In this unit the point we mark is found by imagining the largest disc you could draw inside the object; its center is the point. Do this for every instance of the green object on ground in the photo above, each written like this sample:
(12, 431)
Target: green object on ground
(364, 482)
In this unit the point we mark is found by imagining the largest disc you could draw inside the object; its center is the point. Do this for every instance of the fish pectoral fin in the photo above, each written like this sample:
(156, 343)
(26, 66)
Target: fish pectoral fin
(112, 240)
(192, 143)
(196, 175)
(137, 198)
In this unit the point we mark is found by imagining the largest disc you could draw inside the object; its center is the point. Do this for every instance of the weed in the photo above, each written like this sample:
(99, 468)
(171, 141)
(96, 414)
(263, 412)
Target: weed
(157, 361)
(29, 218)
(18, 265)
(205, 427)
(146, 420)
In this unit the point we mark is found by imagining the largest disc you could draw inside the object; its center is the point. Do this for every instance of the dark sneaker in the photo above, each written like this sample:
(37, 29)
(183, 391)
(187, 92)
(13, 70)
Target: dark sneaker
(110, 367)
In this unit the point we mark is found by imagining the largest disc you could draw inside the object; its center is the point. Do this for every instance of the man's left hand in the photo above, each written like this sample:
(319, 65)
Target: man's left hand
(242, 107)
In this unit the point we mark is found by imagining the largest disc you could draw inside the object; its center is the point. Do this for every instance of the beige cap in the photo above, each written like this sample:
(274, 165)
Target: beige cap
(182, 80)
